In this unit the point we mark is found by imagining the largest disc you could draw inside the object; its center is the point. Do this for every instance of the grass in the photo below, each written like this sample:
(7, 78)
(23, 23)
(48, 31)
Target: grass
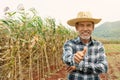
(113, 57)
(112, 48)
(114, 66)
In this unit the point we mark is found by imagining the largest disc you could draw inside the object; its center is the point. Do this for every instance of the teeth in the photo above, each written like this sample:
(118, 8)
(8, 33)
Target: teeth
(85, 33)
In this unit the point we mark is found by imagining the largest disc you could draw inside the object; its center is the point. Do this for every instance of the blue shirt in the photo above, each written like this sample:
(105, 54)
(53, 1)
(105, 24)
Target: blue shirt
(93, 63)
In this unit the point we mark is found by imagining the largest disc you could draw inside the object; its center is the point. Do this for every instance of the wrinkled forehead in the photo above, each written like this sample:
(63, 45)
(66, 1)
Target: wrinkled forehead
(85, 22)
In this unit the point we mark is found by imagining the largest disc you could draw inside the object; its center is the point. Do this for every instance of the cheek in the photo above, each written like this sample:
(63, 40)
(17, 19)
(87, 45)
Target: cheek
(91, 30)
(78, 29)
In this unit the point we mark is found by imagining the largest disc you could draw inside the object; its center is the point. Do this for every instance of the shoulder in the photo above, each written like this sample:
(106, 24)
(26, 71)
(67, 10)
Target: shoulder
(70, 42)
(97, 42)
(99, 45)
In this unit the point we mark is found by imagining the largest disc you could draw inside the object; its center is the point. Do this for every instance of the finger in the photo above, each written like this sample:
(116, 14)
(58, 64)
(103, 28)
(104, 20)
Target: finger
(77, 58)
(69, 69)
(84, 50)
(80, 53)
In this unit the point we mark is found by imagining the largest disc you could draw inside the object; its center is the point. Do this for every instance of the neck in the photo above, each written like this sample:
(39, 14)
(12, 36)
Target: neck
(85, 41)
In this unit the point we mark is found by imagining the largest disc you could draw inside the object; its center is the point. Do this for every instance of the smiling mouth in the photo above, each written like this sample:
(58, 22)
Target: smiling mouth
(85, 34)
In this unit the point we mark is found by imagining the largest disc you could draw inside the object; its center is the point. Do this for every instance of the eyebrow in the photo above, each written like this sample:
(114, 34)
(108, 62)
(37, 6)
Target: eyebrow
(80, 23)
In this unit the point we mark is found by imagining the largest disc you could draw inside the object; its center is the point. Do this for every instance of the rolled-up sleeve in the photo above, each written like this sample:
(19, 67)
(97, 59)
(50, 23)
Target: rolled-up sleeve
(67, 56)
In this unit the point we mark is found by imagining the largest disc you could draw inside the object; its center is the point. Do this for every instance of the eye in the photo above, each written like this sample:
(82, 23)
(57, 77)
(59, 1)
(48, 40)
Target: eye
(81, 25)
(89, 25)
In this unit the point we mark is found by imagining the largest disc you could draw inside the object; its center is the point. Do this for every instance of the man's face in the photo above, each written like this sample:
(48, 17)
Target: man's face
(85, 29)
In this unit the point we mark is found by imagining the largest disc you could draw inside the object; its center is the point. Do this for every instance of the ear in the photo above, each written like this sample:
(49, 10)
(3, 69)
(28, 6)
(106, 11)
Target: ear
(93, 27)
(76, 27)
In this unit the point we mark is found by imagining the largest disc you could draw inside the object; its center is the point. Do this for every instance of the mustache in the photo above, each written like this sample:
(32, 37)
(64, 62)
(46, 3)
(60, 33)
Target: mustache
(85, 32)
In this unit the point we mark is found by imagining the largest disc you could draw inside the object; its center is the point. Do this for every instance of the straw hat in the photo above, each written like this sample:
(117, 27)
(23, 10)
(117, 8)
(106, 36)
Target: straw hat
(83, 16)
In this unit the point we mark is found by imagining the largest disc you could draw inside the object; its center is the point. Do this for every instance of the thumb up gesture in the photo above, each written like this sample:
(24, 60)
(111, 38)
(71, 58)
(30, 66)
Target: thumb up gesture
(79, 55)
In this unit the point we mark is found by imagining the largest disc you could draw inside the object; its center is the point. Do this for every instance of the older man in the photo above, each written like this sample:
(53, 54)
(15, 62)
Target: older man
(85, 57)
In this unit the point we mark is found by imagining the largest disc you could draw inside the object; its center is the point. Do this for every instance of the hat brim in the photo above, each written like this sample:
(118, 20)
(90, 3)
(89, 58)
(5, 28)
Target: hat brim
(72, 22)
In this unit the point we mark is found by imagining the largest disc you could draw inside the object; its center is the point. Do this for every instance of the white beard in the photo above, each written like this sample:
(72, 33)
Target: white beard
(85, 37)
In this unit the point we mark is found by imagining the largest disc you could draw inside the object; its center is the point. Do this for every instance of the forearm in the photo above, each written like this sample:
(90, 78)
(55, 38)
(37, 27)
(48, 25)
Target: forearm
(68, 55)
(68, 59)
(95, 68)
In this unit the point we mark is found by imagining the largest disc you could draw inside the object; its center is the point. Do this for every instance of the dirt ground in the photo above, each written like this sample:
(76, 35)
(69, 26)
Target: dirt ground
(113, 72)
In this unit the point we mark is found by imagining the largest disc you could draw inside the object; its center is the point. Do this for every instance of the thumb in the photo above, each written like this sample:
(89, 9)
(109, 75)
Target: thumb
(84, 50)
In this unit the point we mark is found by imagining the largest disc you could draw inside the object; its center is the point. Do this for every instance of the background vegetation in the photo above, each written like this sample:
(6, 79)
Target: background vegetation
(109, 31)
(30, 47)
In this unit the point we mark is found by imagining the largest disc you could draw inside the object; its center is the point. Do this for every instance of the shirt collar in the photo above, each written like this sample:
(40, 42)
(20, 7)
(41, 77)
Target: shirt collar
(78, 40)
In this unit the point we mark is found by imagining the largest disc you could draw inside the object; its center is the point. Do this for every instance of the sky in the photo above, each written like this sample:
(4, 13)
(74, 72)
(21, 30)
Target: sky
(63, 10)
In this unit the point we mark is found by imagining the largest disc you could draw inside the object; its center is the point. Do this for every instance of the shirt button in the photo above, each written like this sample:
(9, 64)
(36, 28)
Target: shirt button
(80, 69)
(85, 69)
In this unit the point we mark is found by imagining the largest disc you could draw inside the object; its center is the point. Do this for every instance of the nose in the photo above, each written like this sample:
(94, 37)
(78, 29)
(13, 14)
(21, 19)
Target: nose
(85, 28)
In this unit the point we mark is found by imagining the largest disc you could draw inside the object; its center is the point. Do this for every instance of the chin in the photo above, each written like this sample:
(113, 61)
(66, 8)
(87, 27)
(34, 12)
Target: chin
(85, 37)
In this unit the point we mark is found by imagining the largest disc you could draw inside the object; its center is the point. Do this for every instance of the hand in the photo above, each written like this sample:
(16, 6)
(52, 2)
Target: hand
(79, 55)
(70, 68)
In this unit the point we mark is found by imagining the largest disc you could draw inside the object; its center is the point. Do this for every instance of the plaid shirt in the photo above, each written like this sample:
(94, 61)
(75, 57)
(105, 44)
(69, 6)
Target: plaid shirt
(93, 63)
